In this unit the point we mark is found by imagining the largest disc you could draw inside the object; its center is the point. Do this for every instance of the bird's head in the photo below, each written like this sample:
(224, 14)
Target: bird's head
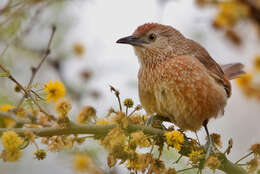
(154, 40)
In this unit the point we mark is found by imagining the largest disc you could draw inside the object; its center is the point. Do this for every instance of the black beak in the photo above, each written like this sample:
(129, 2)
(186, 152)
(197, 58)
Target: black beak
(131, 40)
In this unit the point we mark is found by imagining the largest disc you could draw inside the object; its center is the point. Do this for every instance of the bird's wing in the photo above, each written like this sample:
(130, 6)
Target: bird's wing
(213, 67)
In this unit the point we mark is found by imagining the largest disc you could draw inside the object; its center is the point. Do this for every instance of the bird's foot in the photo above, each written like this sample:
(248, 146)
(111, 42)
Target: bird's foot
(209, 148)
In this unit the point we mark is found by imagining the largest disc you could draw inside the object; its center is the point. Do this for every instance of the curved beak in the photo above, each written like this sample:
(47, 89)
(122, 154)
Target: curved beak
(131, 40)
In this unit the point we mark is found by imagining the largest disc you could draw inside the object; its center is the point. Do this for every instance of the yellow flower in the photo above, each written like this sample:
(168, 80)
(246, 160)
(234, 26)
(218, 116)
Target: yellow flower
(139, 139)
(103, 122)
(213, 163)
(55, 90)
(7, 122)
(81, 163)
(244, 80)
(40, 154)
(257, 63)
(128, 102)
(174, 138)
(86, 114)
(6, 107)
(230, 12)
(195, 156)
(78, 49)
(11, 143)
(63, 107)
(255, 148)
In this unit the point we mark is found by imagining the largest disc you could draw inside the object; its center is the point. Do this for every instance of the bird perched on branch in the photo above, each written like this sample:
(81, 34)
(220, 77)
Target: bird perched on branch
(178, 79)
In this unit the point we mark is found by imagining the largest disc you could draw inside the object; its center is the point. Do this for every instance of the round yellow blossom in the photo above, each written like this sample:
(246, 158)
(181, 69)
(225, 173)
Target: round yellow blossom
(195, 156)
(63, 107)
(7, 122)
(128, 102)
(78, 49)
(54, 90)
(244, 80)
(81, 163)
(174, 138)
(86, 114)
(252, 165)
(6, 107)
(257, 63)
(213, 163)
(230, 12)
(255, 148)
(40, 154)
(11, 143)
(139, 139)
(17, 88)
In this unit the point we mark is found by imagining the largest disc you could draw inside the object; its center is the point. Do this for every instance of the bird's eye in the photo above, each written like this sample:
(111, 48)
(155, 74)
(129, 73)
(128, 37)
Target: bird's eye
(152, 37)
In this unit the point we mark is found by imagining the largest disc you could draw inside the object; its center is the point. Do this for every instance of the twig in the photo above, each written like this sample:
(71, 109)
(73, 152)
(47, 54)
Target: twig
(179, 171)
(244, 157)
(36, 69)
(116, 92)
(24, 90)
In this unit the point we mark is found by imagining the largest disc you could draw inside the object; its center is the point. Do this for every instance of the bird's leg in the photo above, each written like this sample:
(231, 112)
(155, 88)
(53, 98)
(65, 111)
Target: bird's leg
(209, 144)
(156, 121)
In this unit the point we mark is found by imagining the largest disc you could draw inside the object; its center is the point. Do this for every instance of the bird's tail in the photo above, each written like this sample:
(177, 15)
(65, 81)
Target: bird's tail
(233, 70)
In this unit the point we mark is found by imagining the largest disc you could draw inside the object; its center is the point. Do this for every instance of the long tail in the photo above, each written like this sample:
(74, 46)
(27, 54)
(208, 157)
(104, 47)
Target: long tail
(233, 70)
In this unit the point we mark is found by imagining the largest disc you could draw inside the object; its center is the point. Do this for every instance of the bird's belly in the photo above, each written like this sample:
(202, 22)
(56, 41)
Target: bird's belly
(187, 101)
(188, 105)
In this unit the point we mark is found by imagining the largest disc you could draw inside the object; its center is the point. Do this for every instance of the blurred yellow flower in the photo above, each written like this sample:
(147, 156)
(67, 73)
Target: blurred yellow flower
(213, 163)
(244, 80)
(174, 138)
(11, 143)
(230, 12)
(86, 114)
(139, 139)
(6, 107)
(7, 122)
(195, 156)
(257, 63)
(81, 163)
(103, 122)
(62, 108)
(78, 49)
(55, 90)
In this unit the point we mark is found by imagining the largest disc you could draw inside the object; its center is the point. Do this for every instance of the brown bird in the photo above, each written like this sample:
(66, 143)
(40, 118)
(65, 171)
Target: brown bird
(178, 79)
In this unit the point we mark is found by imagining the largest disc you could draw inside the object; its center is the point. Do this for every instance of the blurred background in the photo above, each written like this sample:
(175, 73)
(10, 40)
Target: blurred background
(85, 57)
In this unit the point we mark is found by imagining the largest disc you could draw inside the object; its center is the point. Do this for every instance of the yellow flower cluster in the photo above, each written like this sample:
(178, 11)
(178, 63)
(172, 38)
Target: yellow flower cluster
(86, 114)
(54, 90)
(174, 138)
(78, 49)
(81, 163)
(139, 139)
(8, 123)
(230, 12)
(62, 108)
(40, 154)
(11, 143)
(195, 156)
(213, 163)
